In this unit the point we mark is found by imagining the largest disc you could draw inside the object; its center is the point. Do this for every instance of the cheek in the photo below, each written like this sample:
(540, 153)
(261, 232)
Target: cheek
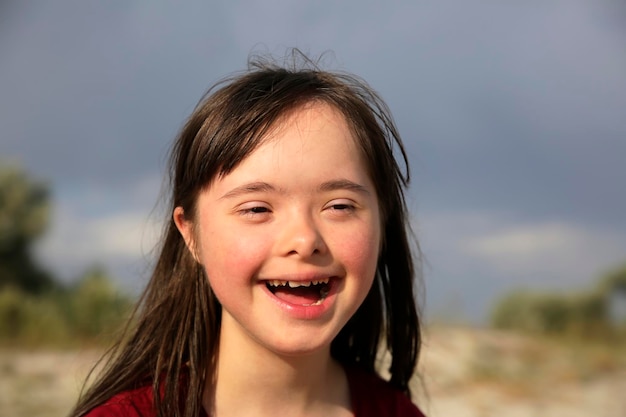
(360, 252)
(230, 259)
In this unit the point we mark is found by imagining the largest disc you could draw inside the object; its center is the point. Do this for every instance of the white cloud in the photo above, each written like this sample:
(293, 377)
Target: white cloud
(551, 253)
(526, 242)
(76, 242)
(502, 244)
(474, 257)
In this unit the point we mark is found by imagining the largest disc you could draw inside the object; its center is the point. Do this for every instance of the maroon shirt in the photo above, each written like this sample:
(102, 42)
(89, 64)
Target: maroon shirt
(370, 396)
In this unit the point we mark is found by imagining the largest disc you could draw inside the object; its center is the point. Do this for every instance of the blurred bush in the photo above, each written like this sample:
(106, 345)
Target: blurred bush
(95, 307)
(586, 314)
(88, 312)
(30, 320)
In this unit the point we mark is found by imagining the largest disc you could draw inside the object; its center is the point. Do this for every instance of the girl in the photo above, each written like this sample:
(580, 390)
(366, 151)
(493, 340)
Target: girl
(285, 263)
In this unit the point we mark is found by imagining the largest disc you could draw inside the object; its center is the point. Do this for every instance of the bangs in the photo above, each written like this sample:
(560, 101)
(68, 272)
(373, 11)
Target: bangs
(238, 114)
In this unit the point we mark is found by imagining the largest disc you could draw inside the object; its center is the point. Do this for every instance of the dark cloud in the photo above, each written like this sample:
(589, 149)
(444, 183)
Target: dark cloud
(507, 108)
(99, 93)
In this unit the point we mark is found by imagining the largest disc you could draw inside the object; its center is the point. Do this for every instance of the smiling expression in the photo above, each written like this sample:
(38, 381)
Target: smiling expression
(290, 238)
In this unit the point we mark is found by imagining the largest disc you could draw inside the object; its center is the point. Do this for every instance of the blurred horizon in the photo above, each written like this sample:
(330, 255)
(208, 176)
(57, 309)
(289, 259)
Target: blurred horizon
(512, 114)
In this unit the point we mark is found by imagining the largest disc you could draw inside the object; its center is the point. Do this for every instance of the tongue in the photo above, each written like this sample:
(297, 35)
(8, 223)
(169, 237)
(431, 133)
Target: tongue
(299, 295)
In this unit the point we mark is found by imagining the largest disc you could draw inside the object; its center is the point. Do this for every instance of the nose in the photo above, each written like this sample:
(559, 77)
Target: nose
(301, 236)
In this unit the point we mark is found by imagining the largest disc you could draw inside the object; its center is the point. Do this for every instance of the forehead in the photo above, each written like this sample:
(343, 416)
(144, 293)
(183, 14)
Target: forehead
(313, 130)
(311, 143)
(310, 118)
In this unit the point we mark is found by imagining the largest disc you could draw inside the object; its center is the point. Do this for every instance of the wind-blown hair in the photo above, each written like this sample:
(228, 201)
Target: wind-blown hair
(174, 336)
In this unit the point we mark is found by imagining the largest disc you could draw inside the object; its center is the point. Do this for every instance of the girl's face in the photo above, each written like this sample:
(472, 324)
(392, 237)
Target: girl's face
(290, 238)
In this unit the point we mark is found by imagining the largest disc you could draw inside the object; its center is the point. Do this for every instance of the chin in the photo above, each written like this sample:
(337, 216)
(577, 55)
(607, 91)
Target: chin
(300, 347)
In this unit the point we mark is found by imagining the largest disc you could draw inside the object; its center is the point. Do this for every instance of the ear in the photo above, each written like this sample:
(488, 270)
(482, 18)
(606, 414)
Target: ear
(185, 228)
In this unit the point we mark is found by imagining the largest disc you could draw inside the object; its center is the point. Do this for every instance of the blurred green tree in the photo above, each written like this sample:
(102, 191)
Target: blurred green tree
(615, 280)
(95, 305)
(36, 309)
(614, 285)
(24, 217)
(598, 312)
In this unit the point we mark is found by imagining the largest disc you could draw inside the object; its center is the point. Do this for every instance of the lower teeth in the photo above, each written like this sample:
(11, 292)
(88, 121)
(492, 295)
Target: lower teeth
(318, 302)
(323, 294)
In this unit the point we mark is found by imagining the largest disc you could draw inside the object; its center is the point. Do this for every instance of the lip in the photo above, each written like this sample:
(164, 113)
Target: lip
(306, 312)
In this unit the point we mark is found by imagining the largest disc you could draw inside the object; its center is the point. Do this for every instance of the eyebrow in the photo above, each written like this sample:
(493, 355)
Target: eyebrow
(260, 187)
(253, 187)
(343, 184)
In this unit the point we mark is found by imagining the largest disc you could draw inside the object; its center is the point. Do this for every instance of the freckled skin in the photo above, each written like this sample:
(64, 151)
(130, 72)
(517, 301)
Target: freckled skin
(275, 217)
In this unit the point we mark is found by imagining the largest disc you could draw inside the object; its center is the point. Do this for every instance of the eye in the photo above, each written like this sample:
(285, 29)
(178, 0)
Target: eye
(254, 211)
(341, 207)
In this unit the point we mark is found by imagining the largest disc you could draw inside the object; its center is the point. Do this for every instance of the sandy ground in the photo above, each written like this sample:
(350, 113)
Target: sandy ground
(482, 373)
(41, 383)
(466, 373)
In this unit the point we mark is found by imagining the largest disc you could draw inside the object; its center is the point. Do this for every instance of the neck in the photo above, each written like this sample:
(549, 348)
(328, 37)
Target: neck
(252, 380)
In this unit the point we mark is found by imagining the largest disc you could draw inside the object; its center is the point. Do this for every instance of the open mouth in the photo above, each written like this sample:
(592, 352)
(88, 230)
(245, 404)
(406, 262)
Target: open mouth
(304, 293)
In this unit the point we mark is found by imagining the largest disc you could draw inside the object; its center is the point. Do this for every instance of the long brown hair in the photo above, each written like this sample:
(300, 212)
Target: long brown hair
(172, 343)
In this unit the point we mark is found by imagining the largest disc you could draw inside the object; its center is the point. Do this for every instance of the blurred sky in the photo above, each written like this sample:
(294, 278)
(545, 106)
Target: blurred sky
(513, 112)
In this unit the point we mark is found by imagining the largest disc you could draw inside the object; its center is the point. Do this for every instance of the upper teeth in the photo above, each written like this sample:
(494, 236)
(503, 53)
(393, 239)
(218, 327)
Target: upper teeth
(294, 284)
